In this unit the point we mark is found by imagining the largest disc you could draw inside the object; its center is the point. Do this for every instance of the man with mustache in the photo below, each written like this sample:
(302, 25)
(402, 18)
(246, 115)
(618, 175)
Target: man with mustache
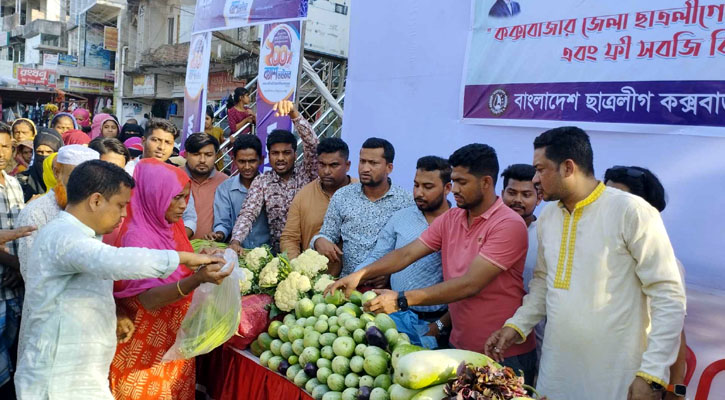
(231, 194)
(44, 209)
(431, 186)
(483, 247)
(274, 190)
(309, 206)
(359, 211)
(606, 279)
(520, 195)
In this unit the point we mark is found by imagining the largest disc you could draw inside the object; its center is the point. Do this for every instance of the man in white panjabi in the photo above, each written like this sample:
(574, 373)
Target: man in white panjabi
(602, 254)
(42, 210)
(69, 316)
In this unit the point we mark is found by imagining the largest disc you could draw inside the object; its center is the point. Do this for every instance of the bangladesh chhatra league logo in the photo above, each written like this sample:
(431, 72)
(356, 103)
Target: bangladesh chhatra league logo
(498, 102)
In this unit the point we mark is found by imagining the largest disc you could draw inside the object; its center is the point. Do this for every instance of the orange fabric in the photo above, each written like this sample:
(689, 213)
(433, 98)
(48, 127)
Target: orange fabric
(136, 370)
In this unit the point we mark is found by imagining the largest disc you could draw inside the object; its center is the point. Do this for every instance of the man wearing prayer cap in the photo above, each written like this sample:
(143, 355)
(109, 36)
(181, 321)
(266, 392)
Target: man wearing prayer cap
(42, 210)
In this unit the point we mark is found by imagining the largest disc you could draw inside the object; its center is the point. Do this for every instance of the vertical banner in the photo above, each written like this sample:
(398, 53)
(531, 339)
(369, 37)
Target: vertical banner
(197, 75)
(279, 61)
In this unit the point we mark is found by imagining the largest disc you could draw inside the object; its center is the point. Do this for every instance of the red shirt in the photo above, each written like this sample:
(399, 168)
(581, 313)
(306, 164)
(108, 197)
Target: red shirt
(499, 236)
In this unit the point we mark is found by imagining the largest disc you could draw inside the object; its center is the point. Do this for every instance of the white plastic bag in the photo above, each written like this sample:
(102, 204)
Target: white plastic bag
(213, 315)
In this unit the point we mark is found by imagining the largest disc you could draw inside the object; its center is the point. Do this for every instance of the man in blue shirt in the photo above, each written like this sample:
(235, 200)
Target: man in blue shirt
(431, 186)
(358, 211)
(230, 195)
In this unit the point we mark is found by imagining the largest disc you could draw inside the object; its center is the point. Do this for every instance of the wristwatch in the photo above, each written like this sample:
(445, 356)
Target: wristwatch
(440, 326)
(677, 390)
(402, 302)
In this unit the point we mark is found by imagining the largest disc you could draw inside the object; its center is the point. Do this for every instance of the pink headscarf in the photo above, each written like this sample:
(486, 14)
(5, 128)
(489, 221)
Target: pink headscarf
(98, 122)
(82, 114)
(157, 183)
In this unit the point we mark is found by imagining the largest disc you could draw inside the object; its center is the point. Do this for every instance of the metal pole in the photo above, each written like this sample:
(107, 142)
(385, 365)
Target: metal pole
(302, 57)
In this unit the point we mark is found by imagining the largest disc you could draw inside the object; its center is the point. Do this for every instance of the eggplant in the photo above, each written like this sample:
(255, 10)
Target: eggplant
(363, 393)
(375, 337)
(311, 370)
(283, 366)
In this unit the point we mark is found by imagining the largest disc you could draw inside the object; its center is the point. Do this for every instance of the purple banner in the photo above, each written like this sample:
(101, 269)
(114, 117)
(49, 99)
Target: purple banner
(214, 15)
(195, 85)
(694, 103)
(279, 60)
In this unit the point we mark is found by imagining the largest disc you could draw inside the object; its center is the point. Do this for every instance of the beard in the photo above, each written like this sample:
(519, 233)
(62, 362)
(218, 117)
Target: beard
(61, 196)
(432, 206)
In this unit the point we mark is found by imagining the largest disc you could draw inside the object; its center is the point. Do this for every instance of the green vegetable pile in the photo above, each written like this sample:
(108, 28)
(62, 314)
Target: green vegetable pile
(333, 349)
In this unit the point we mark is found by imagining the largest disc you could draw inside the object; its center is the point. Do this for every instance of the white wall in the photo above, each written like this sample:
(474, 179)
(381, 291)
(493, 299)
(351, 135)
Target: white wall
(405, 72)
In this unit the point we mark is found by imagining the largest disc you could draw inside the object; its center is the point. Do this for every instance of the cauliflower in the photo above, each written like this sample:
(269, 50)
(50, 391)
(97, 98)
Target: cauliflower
(290, 290)
(309, 263)
(286, 295)
(301, 282)
(322, 282)
(257, 258)
(269, 274)
(245, 284)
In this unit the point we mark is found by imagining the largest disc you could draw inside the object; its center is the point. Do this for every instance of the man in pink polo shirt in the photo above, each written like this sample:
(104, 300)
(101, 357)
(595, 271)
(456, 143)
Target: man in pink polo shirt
(483, 246)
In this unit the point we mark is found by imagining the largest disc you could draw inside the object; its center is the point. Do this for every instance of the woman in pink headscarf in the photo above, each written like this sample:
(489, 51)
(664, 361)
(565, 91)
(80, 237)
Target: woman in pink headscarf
(156, 306)
(83, 117)
(104, 125)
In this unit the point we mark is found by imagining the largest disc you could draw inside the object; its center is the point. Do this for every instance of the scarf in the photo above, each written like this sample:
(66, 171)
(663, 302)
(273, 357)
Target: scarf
(98, 121)
(48, 176)
(75, 136)
(30, 122)
(19, 158)
(130, 131)
(145, 225)
(65, 114)
(82, 117)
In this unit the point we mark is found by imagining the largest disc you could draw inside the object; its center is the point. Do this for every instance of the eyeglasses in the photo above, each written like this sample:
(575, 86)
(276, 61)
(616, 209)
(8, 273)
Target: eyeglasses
(632, 172)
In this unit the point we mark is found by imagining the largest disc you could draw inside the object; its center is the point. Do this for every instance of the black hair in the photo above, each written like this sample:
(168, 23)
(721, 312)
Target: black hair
(281, 136)
(378, 143)
(196, 141)
(518, 172)
(96, 176)
(162, 124)
(334, 145)
(210, 112)
(57, 118)
(5, 128)
(233, 99)
(641, 182)
(244, 142)
(105, 145)
(568, 143)
(435, 163)
(480, 159)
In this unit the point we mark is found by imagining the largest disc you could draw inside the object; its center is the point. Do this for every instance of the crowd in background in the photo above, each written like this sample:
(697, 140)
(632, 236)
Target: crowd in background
(452, 275)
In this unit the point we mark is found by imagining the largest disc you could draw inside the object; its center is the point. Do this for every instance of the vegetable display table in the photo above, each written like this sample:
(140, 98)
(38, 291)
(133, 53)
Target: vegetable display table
(246, 379)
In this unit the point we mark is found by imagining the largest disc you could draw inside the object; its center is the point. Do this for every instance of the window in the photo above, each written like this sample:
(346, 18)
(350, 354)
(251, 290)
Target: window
(341, 9)
(171, 35)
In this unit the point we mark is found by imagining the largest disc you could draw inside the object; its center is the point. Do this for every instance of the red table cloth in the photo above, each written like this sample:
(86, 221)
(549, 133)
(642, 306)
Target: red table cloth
(245, 379)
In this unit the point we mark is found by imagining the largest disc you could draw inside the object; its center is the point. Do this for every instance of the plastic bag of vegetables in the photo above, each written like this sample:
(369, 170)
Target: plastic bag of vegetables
(213, 315)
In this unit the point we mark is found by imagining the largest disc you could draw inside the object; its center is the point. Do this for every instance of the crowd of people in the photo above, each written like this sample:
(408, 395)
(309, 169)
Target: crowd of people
(98, 266)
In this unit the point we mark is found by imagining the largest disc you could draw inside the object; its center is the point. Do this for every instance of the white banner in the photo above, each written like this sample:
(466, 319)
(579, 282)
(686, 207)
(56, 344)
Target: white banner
(645, 66)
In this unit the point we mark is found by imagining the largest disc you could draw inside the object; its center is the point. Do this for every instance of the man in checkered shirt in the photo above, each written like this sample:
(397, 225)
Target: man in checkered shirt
(11, 284)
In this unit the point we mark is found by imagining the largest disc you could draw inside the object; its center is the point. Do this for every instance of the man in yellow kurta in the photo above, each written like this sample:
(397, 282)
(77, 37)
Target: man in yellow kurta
(602, 254)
